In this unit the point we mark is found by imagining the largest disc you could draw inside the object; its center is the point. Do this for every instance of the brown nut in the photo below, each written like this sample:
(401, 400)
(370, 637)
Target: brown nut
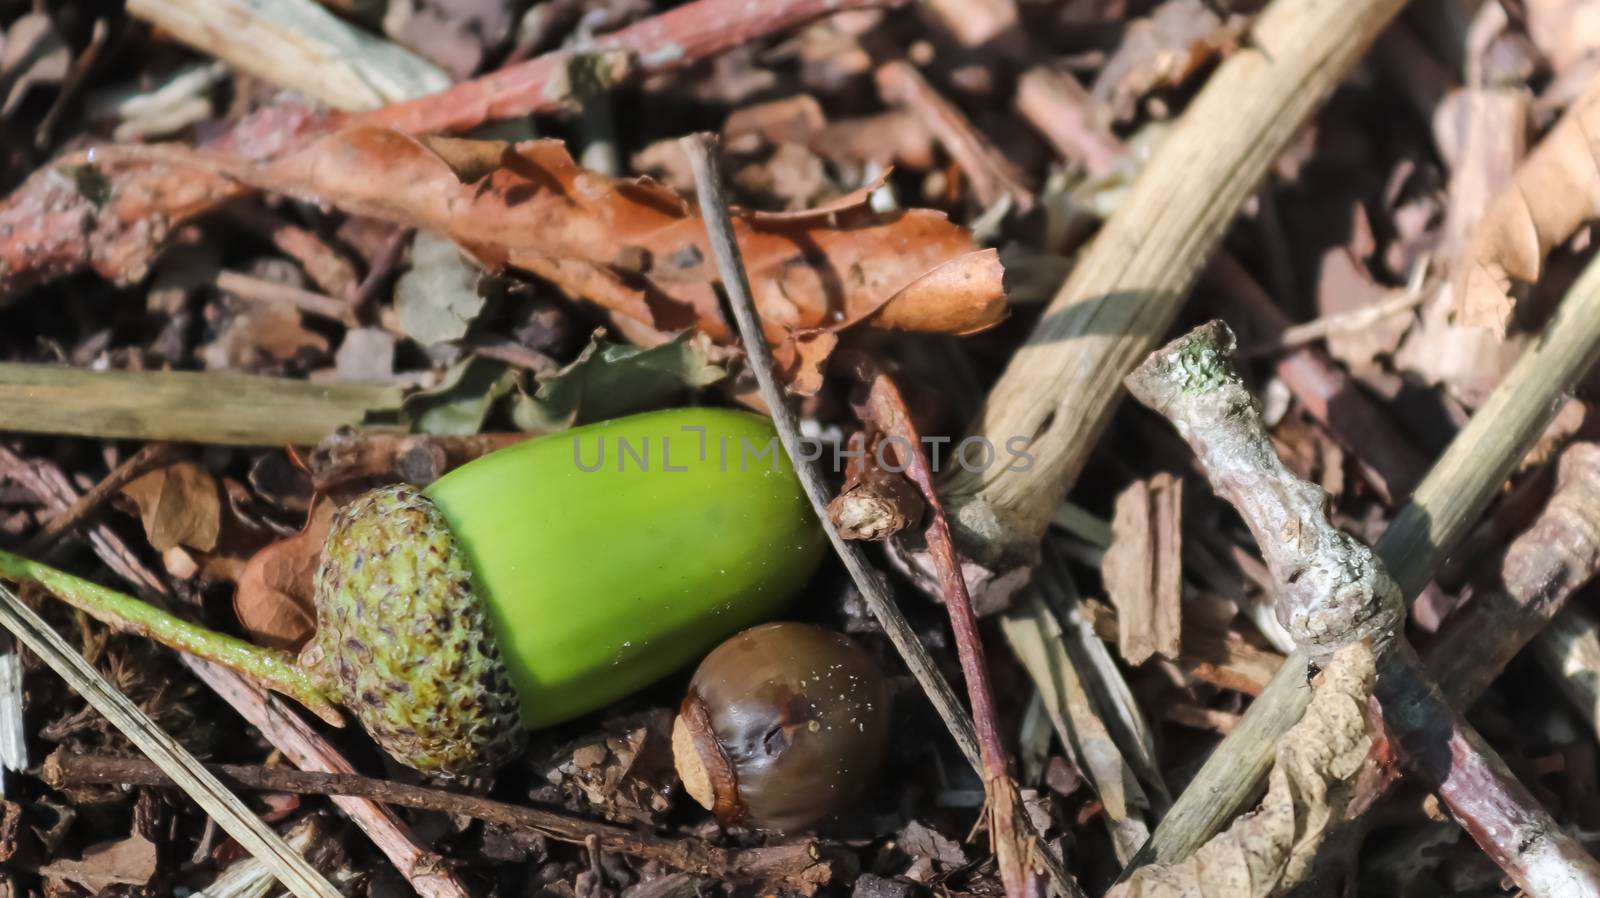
(784, 725)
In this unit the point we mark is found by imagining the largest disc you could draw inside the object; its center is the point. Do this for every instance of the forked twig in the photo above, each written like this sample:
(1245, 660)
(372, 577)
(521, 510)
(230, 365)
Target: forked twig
(1332, 591)
(1445, 506)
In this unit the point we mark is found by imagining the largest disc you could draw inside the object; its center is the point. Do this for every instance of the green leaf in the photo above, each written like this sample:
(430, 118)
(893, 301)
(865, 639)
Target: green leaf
(461, 402)
(611, 379)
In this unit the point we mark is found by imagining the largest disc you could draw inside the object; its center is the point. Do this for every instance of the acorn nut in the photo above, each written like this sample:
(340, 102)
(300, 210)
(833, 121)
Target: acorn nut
(783, 726)
(527, 587)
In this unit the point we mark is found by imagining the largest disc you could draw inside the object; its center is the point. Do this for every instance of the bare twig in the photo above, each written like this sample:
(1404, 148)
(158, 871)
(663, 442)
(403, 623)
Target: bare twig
(993, 176)
(152, 456)
(257, 290)
(63, 770)
(1297, 335)
(224, 807)
(1543, 567)
(1060, 388)
(1445, 506)
(701, 150)
(1064, 112)
(1332, 591)
(884, 410)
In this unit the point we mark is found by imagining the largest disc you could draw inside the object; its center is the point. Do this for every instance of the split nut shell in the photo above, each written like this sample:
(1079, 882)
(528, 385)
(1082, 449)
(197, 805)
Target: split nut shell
(784, 725)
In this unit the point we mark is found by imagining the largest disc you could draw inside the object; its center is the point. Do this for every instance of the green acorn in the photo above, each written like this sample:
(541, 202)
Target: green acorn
(527, 587)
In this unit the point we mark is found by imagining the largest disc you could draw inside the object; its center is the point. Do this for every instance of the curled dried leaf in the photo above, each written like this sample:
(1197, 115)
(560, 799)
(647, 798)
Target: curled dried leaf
(639, 250)
(1270, 850)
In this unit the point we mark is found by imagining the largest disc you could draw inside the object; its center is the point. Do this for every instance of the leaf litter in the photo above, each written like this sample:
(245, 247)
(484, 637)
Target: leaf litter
(511, 291)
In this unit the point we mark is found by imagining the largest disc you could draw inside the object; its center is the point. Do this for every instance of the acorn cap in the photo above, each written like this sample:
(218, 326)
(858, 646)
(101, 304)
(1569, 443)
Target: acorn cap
(406, 641)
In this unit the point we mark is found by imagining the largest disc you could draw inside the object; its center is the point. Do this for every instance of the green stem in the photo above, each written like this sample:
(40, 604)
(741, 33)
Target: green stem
(271, 668)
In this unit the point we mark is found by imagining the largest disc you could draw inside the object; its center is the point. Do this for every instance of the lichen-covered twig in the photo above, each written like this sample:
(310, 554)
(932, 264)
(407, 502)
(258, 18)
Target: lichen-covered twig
(1447, 503)
(1333, 591)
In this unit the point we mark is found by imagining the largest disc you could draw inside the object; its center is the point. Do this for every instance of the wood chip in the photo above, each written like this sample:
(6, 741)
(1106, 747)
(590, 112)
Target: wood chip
(1143, 568)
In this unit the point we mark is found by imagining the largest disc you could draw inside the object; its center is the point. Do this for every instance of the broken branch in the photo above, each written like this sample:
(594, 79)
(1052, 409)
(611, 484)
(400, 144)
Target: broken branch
(1332, 591)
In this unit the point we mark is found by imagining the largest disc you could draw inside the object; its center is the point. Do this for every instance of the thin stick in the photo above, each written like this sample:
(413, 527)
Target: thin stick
(714, 208)
(993, 176)
(148, 458)
(261, 291)
(1297, 335)
(224, 807)
(701, 150)
(1443, 509)
(63, 770)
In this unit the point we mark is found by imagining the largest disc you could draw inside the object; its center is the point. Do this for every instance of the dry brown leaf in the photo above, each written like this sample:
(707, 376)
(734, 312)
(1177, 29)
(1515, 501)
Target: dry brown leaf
(1163, 50)
(1142, 568)
(179, 506)
(640, 250)
(1272, 849)
(1345, 286)
(275, 601)
(1552, 193)
(129, 862)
